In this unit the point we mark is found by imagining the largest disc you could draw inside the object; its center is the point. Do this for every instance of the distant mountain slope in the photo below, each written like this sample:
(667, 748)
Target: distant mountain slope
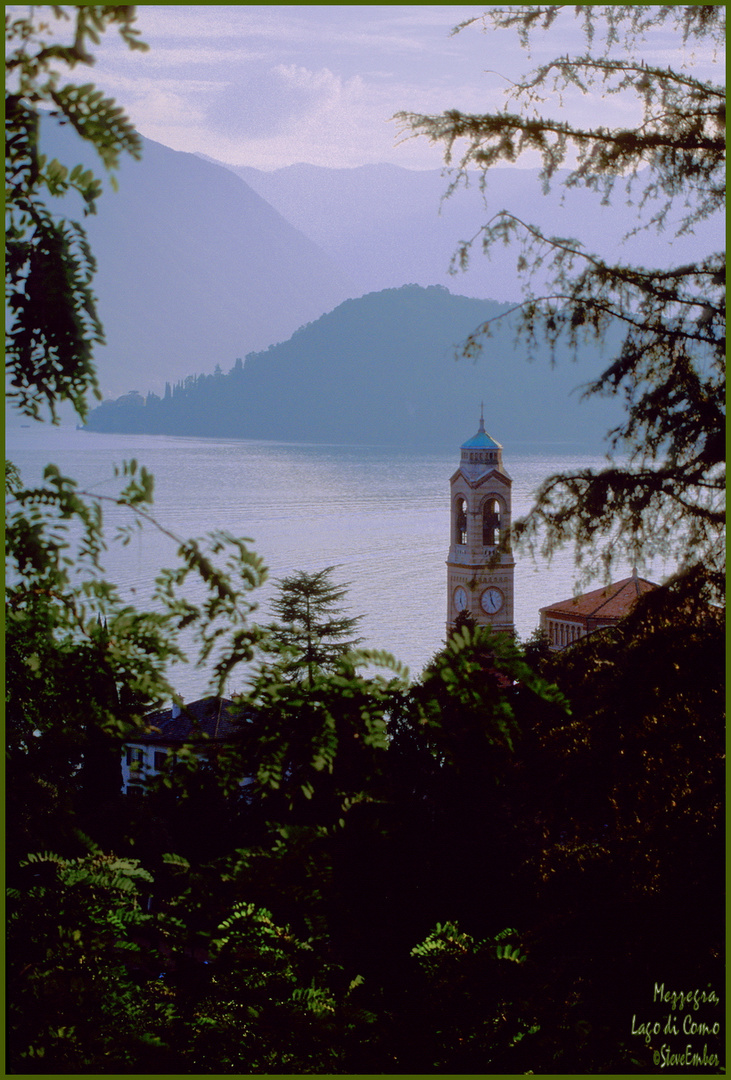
(378, 370)
(194, 267)
(388, 225)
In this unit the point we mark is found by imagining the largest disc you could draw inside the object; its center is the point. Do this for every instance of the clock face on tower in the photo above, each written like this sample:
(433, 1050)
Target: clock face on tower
(491, 600)
(460, 598)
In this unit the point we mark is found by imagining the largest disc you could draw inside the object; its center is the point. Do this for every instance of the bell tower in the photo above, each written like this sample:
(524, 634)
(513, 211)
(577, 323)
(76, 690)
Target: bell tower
(480, 565)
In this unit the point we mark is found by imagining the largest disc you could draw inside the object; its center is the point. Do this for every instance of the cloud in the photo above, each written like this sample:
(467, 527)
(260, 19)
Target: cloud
(278, 100)
(168, 107)
(271, 85)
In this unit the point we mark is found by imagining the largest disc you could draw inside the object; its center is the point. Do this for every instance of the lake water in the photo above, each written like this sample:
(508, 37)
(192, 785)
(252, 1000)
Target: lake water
(380, 514)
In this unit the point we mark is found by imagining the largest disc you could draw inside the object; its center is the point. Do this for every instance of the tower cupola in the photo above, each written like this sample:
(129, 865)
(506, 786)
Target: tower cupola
(481, 451)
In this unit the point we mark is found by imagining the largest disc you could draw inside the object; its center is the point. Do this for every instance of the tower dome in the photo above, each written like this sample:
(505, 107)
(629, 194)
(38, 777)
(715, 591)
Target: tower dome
(481, 441)
(481, 452)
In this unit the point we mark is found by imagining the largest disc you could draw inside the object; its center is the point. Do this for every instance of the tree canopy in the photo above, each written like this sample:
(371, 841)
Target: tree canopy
(662, 494)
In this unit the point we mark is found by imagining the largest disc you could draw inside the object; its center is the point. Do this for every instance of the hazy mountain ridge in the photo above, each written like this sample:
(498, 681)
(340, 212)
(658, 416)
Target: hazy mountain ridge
(388, 225)
(194, 266)
(380, 369)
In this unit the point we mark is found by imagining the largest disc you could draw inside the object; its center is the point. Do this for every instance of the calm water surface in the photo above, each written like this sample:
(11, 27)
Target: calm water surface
(380, 514)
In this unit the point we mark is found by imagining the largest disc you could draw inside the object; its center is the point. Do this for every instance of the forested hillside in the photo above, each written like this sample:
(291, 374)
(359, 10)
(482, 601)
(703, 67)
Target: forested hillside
(385, 368)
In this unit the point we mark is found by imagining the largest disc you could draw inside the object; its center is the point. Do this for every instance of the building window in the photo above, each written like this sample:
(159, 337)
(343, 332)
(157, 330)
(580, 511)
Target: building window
(461, 522)
(160, 758)
(135, 757)
(562, 634)
(491, 523)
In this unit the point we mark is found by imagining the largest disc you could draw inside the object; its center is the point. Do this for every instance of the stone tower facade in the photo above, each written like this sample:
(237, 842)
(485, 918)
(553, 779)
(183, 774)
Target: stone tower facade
(480, 565)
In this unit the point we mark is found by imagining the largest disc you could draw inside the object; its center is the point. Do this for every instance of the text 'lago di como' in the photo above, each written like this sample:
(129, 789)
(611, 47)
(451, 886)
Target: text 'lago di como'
(687, 1035)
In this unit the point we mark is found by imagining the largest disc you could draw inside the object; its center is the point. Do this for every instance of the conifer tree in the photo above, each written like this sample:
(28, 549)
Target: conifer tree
(663, 494)
(314, 627)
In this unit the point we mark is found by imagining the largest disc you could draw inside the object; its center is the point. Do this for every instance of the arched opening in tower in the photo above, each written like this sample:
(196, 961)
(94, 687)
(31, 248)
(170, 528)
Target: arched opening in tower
(460, 533)
(491, 523)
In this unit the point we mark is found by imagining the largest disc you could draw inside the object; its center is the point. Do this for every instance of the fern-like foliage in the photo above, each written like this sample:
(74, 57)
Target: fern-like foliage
(54, 325)
(468, 695)
(447, 941)
(473, 1000)
(74, 926)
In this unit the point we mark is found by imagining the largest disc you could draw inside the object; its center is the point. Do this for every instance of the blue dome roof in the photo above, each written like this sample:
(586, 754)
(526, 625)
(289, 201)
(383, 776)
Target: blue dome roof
(481, 441)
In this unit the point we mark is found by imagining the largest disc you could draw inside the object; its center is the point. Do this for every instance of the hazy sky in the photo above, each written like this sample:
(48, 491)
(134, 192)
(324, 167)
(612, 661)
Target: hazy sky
(268, 86)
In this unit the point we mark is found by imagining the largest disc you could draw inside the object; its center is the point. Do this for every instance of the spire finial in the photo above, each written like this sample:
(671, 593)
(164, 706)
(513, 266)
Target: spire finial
(482, 416)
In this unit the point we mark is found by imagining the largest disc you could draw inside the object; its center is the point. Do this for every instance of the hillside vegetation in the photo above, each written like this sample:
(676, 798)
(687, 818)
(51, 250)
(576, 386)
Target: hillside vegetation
(381, 369)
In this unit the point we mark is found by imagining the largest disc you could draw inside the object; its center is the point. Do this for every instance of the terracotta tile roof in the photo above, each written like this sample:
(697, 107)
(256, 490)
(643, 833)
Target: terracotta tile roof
(610, 603)
(213, 717)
